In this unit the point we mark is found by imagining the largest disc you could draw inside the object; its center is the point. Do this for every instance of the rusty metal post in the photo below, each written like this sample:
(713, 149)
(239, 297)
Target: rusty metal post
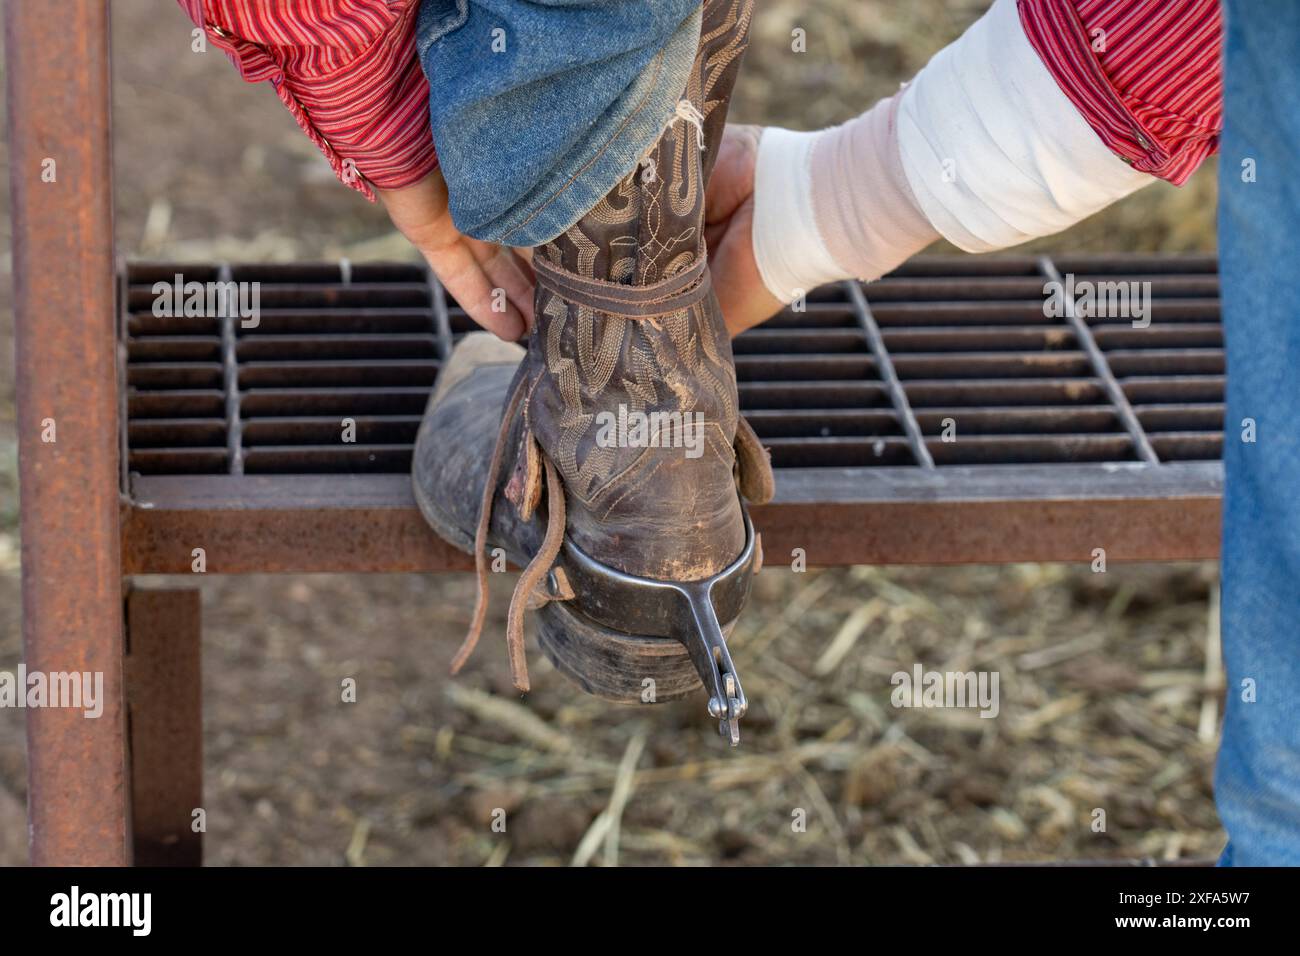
(60, 180)
(163, 678)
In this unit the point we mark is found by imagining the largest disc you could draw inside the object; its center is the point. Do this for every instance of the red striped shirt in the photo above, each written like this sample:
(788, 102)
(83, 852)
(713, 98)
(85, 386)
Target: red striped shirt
(1145, 74)
(348, 73)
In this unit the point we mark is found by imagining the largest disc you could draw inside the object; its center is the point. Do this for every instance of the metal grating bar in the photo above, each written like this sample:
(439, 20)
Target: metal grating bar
(885, 365)
(1103, 369)
(441, 320)
(230, 383)
(1172, 369)
(989, 377)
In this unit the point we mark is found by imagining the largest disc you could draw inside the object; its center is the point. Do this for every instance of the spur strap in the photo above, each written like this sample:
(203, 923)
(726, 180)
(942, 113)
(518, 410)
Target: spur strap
(674, 294)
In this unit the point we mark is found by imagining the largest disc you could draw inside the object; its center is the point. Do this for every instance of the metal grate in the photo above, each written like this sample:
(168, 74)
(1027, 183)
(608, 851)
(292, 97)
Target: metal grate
(940, 414)
(333, 343)
(945, 362)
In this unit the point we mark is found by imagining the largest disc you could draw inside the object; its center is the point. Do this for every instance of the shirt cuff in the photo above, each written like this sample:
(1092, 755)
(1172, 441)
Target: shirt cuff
(1146, 75)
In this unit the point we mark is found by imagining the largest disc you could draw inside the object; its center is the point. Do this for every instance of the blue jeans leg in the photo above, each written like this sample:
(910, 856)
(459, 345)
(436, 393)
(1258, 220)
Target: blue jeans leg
(540, 107)
(1257, 781)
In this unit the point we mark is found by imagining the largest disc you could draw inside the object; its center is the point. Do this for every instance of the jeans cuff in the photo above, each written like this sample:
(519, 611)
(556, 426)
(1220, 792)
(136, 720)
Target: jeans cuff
(437, 19)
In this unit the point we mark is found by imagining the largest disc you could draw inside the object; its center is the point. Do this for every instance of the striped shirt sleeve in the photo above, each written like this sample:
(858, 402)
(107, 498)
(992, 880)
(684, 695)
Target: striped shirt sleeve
(1145, 74)
(346, 70)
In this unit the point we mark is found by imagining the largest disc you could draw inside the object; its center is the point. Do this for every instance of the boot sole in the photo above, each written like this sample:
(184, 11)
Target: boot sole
(614, 666)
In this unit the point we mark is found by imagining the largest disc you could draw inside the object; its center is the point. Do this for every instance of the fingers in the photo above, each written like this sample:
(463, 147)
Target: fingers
(506, 271)
(492, 284)
(486, 300)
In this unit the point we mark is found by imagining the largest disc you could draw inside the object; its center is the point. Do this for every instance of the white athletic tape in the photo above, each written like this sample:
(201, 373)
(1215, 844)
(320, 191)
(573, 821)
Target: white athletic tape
(791, 254)
(994, 151)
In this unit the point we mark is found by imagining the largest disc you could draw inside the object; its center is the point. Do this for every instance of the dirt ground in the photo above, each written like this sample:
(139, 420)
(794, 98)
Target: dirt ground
(1107, 701)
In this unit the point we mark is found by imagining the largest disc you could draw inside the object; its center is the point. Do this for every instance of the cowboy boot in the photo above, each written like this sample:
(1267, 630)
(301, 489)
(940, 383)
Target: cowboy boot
(615, 471)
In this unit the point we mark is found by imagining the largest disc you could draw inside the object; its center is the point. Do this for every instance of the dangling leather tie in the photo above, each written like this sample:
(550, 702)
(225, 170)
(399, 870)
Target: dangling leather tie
(537, 569)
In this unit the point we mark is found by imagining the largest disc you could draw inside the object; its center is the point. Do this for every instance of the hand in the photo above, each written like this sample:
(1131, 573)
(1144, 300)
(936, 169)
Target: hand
(728, 229)
(470, 270)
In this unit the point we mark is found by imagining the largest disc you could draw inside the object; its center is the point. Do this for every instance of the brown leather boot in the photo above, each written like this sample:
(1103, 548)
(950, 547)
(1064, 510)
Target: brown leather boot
(621, 449)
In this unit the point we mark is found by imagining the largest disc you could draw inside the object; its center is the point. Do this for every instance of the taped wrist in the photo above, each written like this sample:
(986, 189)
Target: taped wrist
(791, 255)
(994, 152)
(834, 204)
(862, 202)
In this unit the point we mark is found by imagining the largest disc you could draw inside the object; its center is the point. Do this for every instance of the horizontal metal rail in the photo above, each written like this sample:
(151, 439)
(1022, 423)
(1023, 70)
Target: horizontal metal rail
(1003, 514)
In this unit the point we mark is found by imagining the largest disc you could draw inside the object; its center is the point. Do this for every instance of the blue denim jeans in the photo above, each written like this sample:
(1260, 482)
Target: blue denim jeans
(1257, 782)
(540, 107)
